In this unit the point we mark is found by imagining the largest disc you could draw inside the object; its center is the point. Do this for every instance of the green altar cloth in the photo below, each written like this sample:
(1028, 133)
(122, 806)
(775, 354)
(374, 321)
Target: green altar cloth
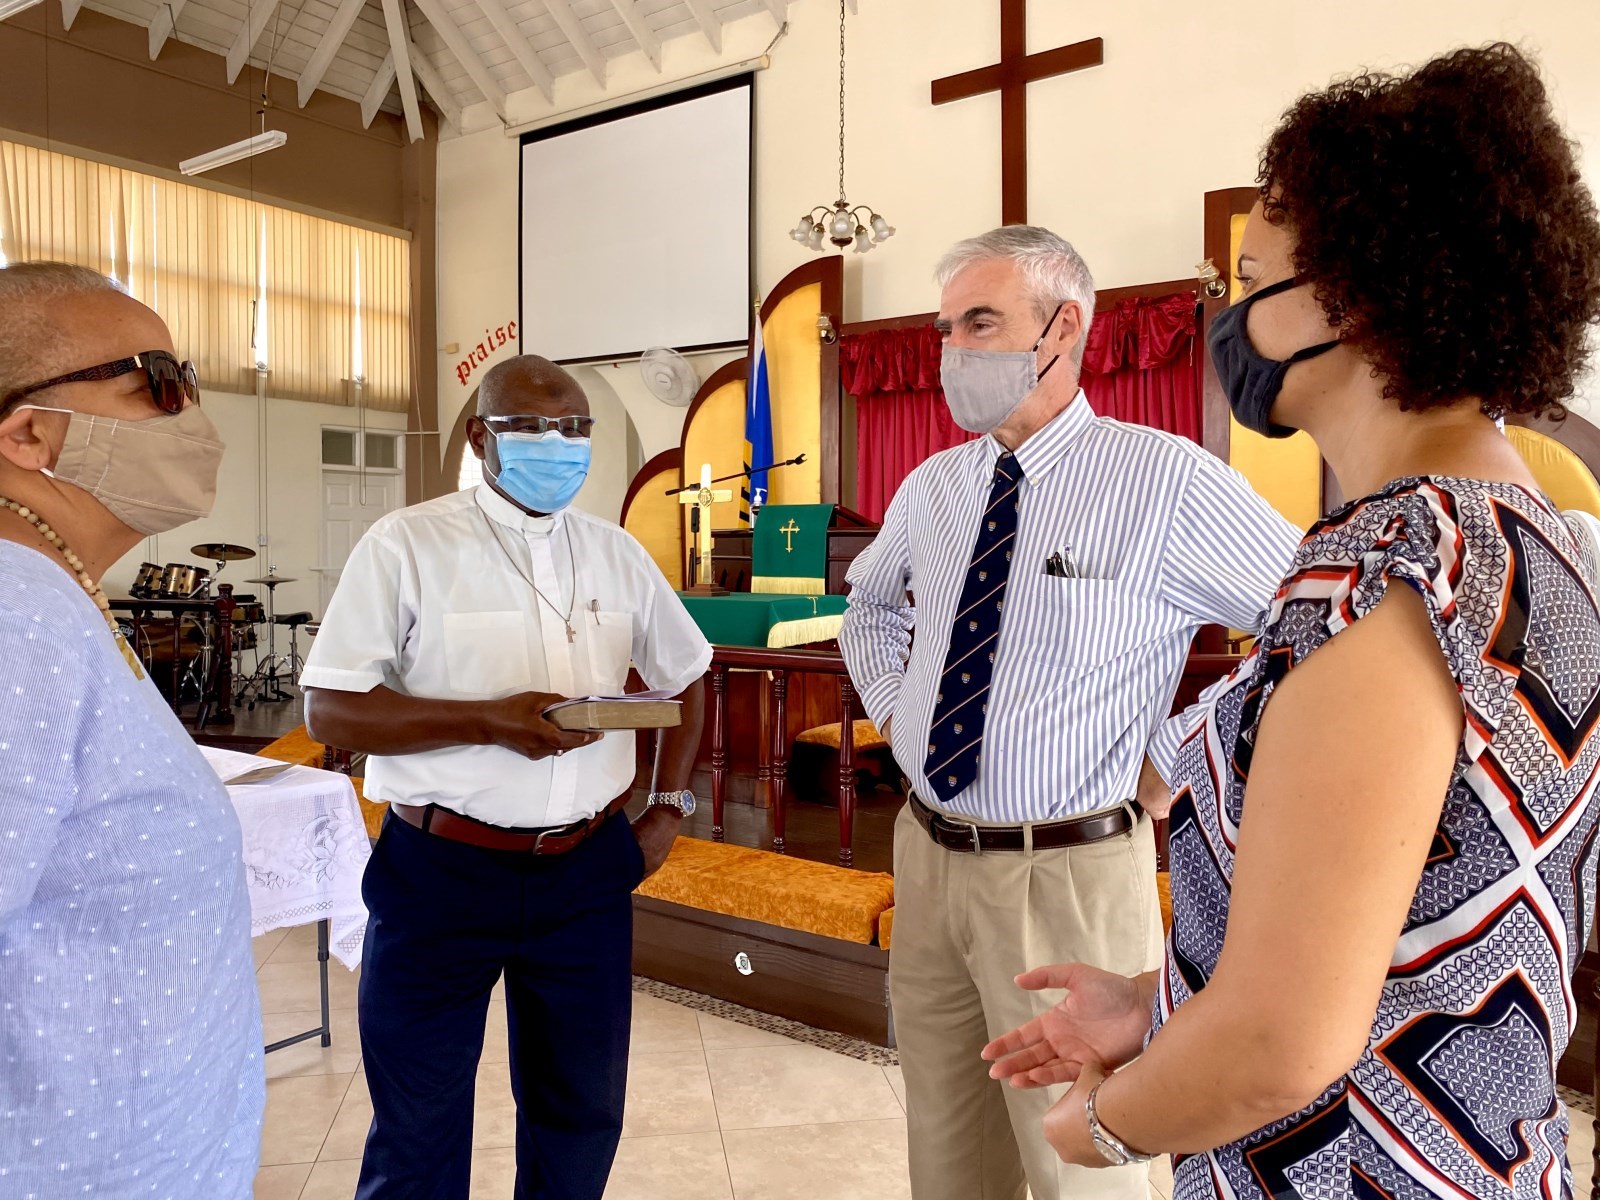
(789, 551)
(752, 619)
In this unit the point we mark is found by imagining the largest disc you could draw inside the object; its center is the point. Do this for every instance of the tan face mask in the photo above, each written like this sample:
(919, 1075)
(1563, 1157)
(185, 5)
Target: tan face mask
(152, 475)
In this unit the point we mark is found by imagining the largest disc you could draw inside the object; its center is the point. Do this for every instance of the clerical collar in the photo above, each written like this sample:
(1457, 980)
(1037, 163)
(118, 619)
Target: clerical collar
(1039, 454)
(503, 512)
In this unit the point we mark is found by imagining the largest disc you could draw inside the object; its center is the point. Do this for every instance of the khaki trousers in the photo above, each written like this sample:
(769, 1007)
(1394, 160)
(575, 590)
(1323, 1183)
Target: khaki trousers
(965, 926)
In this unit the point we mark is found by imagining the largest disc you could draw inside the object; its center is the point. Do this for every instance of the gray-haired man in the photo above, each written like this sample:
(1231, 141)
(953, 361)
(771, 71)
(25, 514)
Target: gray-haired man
(1061, 566)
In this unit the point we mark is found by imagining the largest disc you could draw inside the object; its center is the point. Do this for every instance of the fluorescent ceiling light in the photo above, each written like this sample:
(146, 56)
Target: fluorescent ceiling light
(270, 140)
(10, 8)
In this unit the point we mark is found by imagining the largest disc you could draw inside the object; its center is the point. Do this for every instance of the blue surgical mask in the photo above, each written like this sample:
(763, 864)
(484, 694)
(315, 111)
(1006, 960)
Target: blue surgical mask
(541, 471)
(1250, 381)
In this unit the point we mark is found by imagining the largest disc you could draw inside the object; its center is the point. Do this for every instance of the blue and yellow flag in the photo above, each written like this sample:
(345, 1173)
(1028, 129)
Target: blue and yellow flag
(757, 428)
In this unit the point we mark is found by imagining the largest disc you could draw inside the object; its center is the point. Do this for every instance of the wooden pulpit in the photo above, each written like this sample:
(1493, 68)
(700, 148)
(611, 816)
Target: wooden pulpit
(850, 534)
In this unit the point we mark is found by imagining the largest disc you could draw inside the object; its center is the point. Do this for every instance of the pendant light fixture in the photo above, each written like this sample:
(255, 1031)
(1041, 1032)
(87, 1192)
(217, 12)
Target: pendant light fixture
(841, 224)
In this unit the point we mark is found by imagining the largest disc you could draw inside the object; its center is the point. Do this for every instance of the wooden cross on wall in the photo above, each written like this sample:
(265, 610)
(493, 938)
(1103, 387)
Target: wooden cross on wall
(1011, 77)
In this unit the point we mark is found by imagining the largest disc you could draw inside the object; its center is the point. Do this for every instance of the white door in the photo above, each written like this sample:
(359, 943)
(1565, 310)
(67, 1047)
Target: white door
(347, 514)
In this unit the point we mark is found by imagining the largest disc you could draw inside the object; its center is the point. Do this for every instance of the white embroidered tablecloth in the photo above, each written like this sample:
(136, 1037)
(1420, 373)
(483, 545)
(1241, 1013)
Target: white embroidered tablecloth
(305, 848)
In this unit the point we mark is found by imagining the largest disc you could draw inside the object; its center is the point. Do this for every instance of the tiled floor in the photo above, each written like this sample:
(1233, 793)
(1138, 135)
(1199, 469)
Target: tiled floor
(716, 1110)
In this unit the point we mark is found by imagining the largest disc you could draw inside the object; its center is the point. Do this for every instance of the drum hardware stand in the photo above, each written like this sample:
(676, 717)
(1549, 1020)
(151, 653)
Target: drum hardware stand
(263, 683)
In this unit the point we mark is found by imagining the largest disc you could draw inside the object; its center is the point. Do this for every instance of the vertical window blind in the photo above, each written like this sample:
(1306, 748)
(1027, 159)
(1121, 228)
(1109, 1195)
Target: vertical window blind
(242, 284)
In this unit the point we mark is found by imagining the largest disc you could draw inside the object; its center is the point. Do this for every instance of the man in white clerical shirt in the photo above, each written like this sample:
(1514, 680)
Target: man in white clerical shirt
(456, 624)
(1061, 566)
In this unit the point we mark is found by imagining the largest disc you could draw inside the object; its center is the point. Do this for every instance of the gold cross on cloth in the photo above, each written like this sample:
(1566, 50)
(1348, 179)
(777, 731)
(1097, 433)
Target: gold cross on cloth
(788, 532)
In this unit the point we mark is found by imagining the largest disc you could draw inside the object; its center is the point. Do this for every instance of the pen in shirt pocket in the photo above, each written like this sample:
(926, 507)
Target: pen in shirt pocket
(1061, 564)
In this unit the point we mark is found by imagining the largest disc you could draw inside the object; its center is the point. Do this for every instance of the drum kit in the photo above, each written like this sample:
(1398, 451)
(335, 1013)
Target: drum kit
(185, 581)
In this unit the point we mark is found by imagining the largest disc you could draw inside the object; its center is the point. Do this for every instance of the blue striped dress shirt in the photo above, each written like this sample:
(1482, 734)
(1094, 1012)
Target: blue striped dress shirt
(1165, 538)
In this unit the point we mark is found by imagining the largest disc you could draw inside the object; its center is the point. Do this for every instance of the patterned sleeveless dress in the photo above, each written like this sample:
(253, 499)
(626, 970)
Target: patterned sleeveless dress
(1455, 1093)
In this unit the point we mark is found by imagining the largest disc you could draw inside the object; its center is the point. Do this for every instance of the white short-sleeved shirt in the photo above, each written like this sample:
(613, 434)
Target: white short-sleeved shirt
(430, 604)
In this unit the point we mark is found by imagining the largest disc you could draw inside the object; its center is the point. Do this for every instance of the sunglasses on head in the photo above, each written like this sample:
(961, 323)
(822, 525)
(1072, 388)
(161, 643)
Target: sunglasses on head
(171, 382)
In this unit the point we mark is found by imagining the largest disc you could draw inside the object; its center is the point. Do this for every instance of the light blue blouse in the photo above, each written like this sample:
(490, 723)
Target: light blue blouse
(130, 1029)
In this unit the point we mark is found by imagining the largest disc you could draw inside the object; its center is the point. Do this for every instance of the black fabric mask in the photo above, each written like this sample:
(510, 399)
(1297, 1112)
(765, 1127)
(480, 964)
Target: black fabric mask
(1249, 380)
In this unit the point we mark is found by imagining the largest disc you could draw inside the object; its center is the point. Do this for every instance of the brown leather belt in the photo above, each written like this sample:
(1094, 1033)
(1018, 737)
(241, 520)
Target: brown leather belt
(559, 839)
(975, 839)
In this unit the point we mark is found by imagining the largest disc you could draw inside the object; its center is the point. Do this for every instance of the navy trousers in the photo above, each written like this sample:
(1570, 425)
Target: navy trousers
(447, 919)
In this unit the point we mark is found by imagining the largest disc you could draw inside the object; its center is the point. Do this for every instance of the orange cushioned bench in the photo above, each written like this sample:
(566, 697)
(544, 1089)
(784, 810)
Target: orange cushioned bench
(297, 747)
(775, 889)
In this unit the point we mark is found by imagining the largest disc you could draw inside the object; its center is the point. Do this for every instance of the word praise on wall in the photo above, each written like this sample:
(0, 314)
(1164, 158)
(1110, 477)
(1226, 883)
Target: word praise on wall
(493, 339)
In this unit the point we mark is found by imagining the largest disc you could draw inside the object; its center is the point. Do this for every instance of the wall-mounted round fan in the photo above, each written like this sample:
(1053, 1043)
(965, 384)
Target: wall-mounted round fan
(670, 376)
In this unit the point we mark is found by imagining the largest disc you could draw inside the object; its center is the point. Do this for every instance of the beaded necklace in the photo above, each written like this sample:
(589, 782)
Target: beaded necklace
(96, 592)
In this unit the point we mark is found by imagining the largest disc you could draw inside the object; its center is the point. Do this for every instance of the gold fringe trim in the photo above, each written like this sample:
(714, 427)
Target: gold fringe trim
(788, 585)
(802, 633)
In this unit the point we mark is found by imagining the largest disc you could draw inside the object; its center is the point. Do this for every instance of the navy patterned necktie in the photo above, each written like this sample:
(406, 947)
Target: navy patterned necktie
(955, 739)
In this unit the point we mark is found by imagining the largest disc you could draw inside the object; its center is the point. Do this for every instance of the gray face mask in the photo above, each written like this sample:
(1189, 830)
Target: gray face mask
(984, 387)
(152, 475)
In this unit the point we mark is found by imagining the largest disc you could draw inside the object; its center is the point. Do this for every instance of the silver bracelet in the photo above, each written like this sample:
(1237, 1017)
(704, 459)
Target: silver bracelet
(1112, 1148)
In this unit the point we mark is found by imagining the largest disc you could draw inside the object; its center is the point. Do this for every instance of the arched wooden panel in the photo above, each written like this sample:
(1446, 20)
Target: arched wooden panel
(803, 372)
(1564, 457)
(1576, 433)
(457, 445)
(655, 519)
(1287, 472)
(713, 432)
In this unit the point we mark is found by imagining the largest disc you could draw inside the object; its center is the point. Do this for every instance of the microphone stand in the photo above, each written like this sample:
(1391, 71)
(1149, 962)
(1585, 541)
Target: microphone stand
(694, 513)
(745, 474)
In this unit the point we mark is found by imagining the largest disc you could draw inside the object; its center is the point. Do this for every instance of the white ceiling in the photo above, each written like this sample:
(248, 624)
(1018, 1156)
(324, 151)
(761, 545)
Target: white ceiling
(461, 51)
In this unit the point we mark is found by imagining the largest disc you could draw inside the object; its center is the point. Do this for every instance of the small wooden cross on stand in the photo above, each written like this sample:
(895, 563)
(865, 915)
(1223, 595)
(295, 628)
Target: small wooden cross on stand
(788, 532)
(1011, 77)
(703, 498)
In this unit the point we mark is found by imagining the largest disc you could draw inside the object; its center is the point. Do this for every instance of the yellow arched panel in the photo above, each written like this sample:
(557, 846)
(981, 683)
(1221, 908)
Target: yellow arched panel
(1287, 472)
(654, 519)
(715, 435)
(1561, 473)
(794, 372)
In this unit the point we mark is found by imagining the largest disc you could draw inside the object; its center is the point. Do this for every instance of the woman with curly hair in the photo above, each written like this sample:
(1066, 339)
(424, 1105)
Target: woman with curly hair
(1383, 847)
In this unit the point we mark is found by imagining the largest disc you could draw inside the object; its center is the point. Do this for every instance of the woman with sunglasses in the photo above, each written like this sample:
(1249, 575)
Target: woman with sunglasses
(1383, 843)
(130, 1031)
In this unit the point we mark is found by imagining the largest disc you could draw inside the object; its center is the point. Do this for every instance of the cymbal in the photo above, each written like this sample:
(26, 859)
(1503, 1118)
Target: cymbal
(271, 579)
(222, 552)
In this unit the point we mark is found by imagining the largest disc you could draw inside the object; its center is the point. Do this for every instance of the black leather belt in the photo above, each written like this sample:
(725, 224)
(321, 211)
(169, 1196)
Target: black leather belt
(979, 839)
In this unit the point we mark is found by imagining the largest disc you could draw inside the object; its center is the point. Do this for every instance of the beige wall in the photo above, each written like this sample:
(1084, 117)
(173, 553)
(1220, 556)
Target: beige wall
(96, 88)
(1120, 156)
(293, 498)
(478, 297)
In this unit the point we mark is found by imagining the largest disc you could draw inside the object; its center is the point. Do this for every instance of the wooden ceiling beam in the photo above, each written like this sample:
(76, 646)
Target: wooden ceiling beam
(643, 35)
(572, 28)
(254, 25)
(517, 42)
(437, 90)
(394, 19)
(163, 25)
(458, 45)
(377, 91)
(707, 20)
(344, 18)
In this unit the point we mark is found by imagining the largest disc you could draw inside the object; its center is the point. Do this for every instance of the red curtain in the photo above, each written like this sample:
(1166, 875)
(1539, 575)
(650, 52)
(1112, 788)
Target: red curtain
(1142, 365)
(901, 416)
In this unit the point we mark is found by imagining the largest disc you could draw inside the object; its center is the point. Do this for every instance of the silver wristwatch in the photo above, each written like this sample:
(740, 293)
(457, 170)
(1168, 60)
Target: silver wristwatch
(1112, 1148)
(682, 801)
